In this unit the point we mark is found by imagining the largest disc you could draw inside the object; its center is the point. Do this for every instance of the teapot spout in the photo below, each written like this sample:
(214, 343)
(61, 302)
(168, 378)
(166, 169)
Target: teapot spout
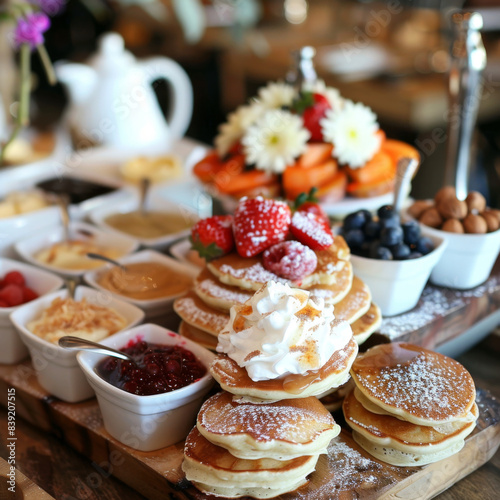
(79, 79)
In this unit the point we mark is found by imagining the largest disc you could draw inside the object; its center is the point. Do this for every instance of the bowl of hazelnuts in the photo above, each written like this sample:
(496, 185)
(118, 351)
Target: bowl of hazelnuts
(472, 231)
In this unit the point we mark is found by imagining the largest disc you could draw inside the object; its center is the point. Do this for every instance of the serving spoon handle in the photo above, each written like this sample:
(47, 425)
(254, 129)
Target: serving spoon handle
(70, 342)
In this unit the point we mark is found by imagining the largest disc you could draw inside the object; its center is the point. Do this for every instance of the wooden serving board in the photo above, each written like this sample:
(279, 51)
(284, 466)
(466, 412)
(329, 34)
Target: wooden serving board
(346, 472)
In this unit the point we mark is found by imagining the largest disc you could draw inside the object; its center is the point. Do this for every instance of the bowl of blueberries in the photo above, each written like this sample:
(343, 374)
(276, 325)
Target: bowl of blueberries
(394, 257)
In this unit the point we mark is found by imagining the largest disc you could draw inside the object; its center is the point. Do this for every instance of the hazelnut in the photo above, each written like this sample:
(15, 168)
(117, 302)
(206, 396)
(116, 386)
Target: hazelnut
(431, 218)
(418, 207)
(491, 221)
(493, 211)
(445, 192)
(475, 202)
(475, 224)
(452, 208)
(453, 226)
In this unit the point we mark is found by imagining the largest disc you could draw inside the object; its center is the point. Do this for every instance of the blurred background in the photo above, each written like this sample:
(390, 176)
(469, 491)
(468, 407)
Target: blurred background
(393, 56)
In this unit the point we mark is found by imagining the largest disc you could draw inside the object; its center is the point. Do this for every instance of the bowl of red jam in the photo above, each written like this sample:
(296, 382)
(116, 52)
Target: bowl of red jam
(150, 403)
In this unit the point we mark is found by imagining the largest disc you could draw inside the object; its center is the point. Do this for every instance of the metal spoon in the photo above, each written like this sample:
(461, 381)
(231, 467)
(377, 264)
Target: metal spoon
(406, 169)
(98, 256)
(71, 286)
(70, 342)
(144, 189)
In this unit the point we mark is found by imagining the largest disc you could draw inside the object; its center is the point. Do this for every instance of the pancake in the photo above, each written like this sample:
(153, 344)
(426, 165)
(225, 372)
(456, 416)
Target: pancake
(194, 311)
(403, 443)
(363, 327)
(355, 303)
(415, 384)
(212, 469)
(234, 379)
(280, 430)
(218, 295)
(333, 268)
(205, 339)
(332, 401)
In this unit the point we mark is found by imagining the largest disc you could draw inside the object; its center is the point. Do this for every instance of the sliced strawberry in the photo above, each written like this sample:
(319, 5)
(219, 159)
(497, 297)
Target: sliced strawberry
(13, 277)
(311, 230)
(313, 108)
(260, 223)
(213, 237)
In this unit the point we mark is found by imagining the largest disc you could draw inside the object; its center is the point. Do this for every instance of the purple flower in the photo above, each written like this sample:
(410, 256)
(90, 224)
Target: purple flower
(30, 29)
(50, 7)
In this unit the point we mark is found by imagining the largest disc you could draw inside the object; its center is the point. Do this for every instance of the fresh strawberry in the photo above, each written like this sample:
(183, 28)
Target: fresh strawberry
(28, 294)
(313, 108)
(308, 203)
(12, 294)
(3, 303)
(311, 230)
(14, 278)
(260, 223)
(213, 237)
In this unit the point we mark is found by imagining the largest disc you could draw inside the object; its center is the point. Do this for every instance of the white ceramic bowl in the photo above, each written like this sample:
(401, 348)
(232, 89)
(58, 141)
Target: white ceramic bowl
(467, 260)
(152, 307)
(29, 247)
(148, 423)
(56, 368)
(12, 348)
(99, 215)
(396, 285)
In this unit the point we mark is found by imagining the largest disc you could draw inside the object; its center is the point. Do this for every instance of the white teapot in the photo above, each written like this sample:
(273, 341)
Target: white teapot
(112, 102)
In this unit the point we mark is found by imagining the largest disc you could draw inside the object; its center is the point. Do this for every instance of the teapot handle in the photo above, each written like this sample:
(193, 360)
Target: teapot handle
(181, 92)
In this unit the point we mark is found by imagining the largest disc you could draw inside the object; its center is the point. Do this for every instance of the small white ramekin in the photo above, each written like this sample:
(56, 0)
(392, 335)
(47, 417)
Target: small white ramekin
(152, 422)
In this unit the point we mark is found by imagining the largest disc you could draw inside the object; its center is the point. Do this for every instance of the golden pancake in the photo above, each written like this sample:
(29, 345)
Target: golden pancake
(400, 442)
(217, 294)
(333, 268)
(417, 385)
(332, 401)
(363, 327)
(205, 339)
(212, 469)
(234, 379)
(355, 303)
(195, 312)
(281, 430)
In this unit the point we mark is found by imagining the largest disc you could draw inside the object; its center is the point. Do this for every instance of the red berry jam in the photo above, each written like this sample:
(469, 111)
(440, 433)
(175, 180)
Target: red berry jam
(158, 369)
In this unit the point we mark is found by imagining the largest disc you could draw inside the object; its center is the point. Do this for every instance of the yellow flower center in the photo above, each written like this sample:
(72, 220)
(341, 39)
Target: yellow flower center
(353, 134)
(273, 139)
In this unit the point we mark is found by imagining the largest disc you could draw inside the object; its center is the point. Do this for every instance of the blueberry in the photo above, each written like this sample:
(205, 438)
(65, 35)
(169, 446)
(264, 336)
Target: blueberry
(400, 251)
(385, 211)
(367, 214)
(392, 220)
(354, 237)
(411, 232)
(391, 236)
(414, 255)
(364, 249)
(356, 220)
(372, 229)
(424, 245)
(380, 252)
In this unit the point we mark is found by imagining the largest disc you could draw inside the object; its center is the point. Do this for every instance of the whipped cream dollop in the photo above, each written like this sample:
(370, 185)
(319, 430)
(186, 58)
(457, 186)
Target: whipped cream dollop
(281, 331)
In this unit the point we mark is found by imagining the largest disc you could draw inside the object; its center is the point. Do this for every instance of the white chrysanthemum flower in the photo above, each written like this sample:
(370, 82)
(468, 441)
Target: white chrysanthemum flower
(276, 94)
(275, 141)
(236, 125)
(332, 94)
(353, 132)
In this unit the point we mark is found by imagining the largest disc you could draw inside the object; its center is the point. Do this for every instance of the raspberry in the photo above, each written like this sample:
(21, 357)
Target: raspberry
(290, 260)
(12, 295)
(28, 294)
(13, 278)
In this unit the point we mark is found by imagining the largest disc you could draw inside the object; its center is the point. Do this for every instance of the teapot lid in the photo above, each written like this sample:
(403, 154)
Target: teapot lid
(111, 55)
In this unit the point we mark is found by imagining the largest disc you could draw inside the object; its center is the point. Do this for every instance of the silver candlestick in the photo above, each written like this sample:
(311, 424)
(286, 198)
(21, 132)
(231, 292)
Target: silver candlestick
(468, 60)
(303, 69)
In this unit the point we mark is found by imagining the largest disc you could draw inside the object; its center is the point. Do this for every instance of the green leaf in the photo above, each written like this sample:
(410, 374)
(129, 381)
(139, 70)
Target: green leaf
(303, 101)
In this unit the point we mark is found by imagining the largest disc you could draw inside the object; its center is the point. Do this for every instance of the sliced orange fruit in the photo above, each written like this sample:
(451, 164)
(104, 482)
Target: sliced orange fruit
(381, 166)
(398, 149)
(333, 189)
(316, 153)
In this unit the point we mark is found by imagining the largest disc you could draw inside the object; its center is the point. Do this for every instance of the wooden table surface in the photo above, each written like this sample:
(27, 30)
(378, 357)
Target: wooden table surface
(67, 475)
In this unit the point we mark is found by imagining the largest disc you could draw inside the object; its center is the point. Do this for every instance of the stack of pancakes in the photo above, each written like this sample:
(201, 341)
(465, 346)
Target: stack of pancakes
(410, 406)
(260, 436)
(231, 280)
